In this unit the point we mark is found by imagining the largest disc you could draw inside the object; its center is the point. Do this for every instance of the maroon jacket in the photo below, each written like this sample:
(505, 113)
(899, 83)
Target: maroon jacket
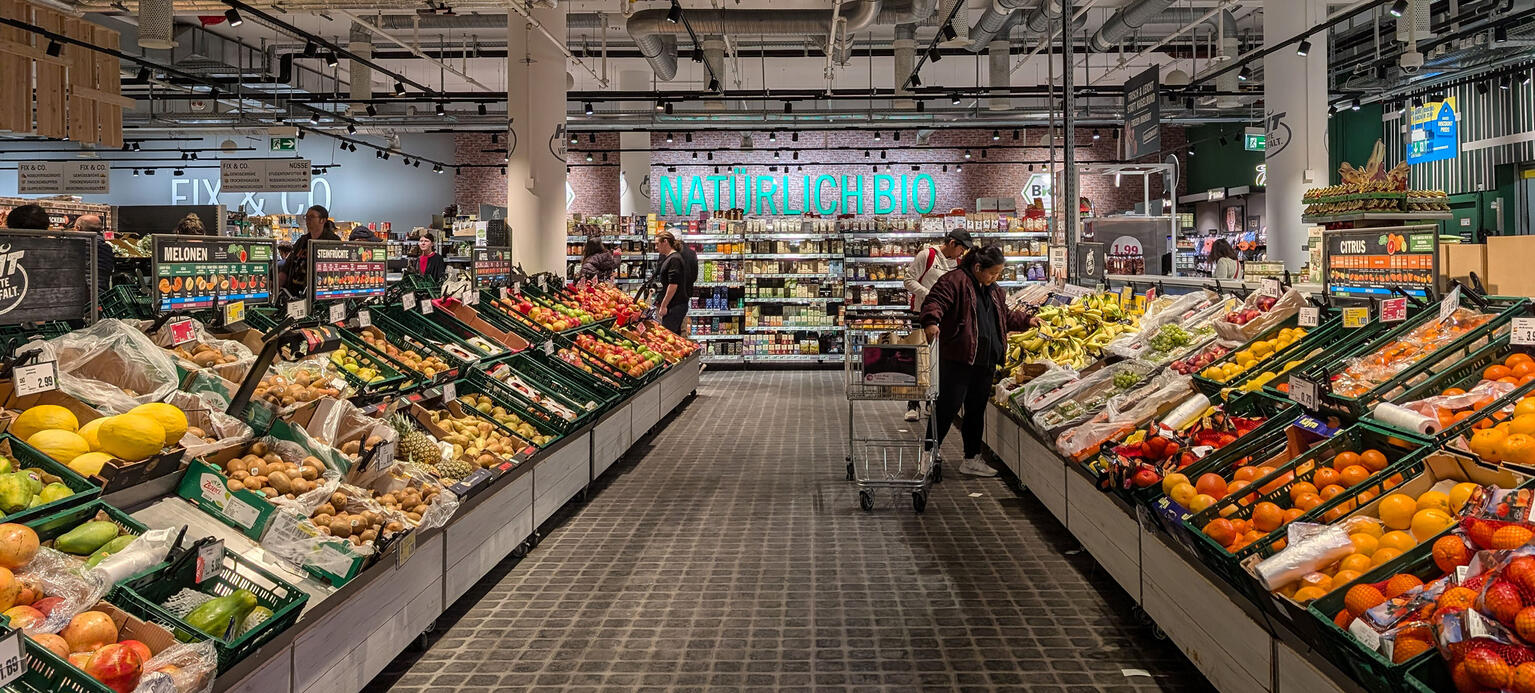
(951, 306)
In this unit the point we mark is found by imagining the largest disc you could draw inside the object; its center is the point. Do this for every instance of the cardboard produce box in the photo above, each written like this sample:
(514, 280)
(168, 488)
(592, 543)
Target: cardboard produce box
(114, 475)
(1458, 260)
(1509, 259)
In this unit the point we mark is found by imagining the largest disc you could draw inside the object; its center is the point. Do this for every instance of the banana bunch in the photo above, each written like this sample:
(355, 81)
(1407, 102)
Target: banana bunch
(1072, 335)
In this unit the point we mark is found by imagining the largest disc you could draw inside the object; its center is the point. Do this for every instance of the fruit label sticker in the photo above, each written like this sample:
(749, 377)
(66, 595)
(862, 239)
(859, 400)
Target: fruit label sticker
(297, 310)
(35, 378)
(408, 301)
(1450, 304)
(426, 307)
(1366, 635)
(1303, 392)
(12, 666)
(1270, 288)
(181, 332)
(234, 312)
(1393, 309)
(1523, 331)
(210, 560)
(1310, 316)
(364, 318)
(1358, 316)
(338, 312)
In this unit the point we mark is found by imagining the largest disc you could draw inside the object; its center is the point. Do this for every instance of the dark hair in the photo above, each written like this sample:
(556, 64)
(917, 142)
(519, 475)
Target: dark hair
(1222, 249)
(593, 247)
(32, 217)
(428, 236)
(191, 225)
(324, 213)
(982, 257)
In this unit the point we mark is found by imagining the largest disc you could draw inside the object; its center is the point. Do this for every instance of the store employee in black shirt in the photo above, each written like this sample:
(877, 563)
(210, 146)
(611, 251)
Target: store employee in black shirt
(672, 306)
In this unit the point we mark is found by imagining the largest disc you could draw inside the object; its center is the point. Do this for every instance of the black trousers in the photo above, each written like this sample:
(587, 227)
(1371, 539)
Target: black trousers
(961, 385)
(674, 318)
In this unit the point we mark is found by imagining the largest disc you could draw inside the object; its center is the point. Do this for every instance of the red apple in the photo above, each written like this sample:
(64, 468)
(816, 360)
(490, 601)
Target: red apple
(47, 604)
(1146, 478)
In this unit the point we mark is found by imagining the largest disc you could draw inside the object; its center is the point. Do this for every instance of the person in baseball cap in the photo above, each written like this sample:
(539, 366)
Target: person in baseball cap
(923, 272)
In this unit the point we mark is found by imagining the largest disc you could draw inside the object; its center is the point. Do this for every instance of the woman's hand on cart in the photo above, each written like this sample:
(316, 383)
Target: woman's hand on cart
(932, 333)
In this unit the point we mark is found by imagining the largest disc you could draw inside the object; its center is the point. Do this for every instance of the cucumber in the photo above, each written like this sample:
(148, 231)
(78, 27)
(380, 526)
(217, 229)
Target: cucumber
(215, 615)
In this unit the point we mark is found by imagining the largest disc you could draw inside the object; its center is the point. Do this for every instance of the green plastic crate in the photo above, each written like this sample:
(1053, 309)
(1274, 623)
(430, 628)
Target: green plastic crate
(1464, 374)
(547, 385)
(1280, 414)
(1315, 337)
(52, 526)
(1371, 669)
(25, 456)
(143, 594)
(1343, 341)
(404, 338)
(1428, 675)
(46, 673)
(572, 385)
(474, 386)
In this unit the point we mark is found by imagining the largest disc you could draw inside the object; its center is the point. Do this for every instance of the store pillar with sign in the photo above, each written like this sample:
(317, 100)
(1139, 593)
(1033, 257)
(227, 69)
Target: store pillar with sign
(634, 155)
(1295, 147)
(535, 170)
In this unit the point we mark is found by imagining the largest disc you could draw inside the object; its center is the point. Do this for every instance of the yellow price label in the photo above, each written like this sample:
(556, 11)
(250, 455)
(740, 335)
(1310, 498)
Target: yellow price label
(1126, 295)
(1355, 317)
(234, 312)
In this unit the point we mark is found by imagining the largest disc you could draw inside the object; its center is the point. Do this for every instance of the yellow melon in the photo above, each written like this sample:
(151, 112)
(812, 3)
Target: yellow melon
(88, 432)
(62, 446)
(90, 463)
(173, 420)
(44, 417)
(130, 437)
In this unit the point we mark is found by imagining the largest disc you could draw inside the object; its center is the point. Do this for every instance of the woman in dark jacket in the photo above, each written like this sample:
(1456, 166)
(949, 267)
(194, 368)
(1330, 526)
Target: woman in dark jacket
(430, 263)
(597, 262)
(966, 313)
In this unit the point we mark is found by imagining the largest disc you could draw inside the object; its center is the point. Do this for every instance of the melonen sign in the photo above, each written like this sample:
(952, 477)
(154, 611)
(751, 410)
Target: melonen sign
(776, 195)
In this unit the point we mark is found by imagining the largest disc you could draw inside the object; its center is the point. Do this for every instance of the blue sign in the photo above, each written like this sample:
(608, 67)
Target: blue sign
(1433, 133)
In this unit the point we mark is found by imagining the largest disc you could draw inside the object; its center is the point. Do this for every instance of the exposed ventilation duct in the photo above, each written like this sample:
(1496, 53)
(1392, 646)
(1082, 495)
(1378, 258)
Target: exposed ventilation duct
(441, 22)
(359, 74)
(1224, 24)
(1124, 22)
(999, 76)
(155, 24)
(961, 22)
(714, 57)
(1000, 15)
(903, 57)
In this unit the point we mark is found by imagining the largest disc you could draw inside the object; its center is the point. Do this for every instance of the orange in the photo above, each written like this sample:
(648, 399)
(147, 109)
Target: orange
(1211, 484)
(1396, 510)
(1277, 483)
(1373, 460)
(1496, 372)
(1330, 491)
(1522, 423)
(1397, 539)
(1354, 563)
(1371, 528)
(1527, 379)
(1485, 444)
(1454, 391)
(1324, 477)
(1241, 526)
(1343, 577)
(1511, 537)
(1517, 358)
(1511, 380)
(1237, 485)
(1363, 498)
(1267, 517)
(1306, 595)
(1460, 494)
(1183, 494)
(1437, 500)
(1400, 583)
(1320, 581)
(1362, 598)
(1299, 487)
(1307, 501)
(1384, 556)
(1407, 648)
(1201, 502)
(1427, 523)
(1457, 598)
(1221, 531)
(1364, 544)
(1521, 370)
(1450, 552)
(1246, 474)
(1354, 475)
(1525, 406)
(1518, 448)
(1293, 514)
(1345, 460)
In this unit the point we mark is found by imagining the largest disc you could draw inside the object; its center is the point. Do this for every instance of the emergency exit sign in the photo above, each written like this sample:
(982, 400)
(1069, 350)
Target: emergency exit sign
(284, 144)
(1254, 140)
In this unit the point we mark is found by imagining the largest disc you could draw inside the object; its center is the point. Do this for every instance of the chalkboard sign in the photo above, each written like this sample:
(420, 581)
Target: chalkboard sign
(1367, 263)
(202, 272)
(47, 275)
(149, 219)
(344, 269)
(492, 267)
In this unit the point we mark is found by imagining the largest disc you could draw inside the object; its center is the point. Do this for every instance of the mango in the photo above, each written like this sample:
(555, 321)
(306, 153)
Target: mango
(87, 538)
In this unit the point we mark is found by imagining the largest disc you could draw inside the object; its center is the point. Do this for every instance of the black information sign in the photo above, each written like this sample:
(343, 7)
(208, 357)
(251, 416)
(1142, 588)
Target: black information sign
(201, 272)
(46, 275)
(344, 269)
(1143, 114)
(1367, 263)
(1090, 267)
(492, 267)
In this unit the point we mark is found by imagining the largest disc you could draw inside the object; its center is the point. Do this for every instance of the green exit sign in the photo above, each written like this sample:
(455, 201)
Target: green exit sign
(284, 144)
(1255, 142)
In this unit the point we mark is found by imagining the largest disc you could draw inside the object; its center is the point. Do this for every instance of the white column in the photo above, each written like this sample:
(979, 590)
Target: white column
(1295, 94)
(634, 166)
(521, 207)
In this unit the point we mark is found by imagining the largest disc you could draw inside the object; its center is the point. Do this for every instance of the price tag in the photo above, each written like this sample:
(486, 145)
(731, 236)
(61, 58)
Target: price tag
(406, 550)
(1303, 392)
(35, 378)
(337, 312)
(473, 298)
(234, 312)
(449, 392)
(364, 318)
(1269, 287)
(13, 661)
(1393, 309)
(1310, 316)
(506, 292)
(182, 332)
(1523, 332)
(1126, 294)
(1356, 317)
(297, 310)
(1151, 295)
(1366, 635)
(339, 384)
(210, 560)
(408, 301)
(1460, 573)
(549, 348)
(1450, 304)
(426, 307)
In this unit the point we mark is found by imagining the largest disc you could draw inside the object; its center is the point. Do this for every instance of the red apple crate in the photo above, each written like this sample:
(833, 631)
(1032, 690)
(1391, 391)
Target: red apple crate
(1278, 415)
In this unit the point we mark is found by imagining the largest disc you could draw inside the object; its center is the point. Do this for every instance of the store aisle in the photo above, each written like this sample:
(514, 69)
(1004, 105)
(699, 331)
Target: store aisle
(730, 553)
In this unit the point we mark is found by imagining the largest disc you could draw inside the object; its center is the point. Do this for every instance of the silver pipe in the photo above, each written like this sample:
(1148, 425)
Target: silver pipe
(649, 28)
(999, 16)
(1125, 21)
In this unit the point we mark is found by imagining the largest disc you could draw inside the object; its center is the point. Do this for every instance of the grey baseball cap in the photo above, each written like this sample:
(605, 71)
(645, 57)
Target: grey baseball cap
(962, 237)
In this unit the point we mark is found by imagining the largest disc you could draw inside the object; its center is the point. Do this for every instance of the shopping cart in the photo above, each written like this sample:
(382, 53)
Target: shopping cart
(896, 367)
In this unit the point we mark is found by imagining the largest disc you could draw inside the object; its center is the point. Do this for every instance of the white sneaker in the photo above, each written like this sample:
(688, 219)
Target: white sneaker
(975, 467)
(912, 415)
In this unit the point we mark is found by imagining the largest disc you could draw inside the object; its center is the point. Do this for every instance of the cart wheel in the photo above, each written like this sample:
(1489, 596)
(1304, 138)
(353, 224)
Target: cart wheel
(533, 540)
(520, 550)
(850, 471)
(1140, 614)
(1156, 632)
(866, 500)
(918, 501)
(937, 471)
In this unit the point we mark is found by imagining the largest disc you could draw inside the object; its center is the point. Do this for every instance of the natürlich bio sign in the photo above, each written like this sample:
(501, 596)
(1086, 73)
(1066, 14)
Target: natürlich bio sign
(822, 194)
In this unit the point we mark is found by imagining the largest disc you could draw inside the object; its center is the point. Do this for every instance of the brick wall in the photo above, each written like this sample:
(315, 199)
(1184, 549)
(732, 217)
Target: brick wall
(595, 186)
(836, 153)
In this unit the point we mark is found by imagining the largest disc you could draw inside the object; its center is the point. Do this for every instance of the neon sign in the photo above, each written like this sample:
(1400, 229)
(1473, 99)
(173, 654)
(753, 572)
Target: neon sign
(777, 195)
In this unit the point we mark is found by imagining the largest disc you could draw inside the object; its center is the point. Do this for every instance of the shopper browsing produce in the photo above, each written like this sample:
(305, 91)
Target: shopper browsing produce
(294, 273)
(1225, 259)
(672, 308)
(91, 223)
(925, 270)
(27, 217)
(966, 314)
(597, 262)
(430, 262)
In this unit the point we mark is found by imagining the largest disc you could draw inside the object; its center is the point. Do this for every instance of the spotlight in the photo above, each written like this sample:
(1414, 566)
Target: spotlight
(698, 55)
(417, 164)
(876, 135)
(194, 154)
(386, 156)
(588, 156)
(714, 85)
(378, 154)
(874, 169)
(674, 15)
(149, 172)
(495, 138)
(405, 161)
(1399, 8)
(1097, 135)
(660, 105)
(954, 99)
(687, 137)
(945, 168)
(1303, 48)
(772, 136)
(54, 48)
(775, 154)
(1246, 73)
(668, 138)
(233, 17)
(959, 167)
(135, 173)
(933, 55)
(796, 155)
(441, 109)
(896, 135)
(399, 88)
(1505, 82)
(481, 109)
(1223, 140)
(788, 107)
(668, 108)
(587, 107)
(695, 155)
(914, 82)
(921, 106)
(178, 172)
(883, 154)
(314, 118)
(372, 110)
(1355, 106)
(1524, 79)
(948, 32)
(330, 59)
(436, 169)
(1188, 102)
(503, 170)
(309, 49)
(1191, 152)
(1015, 135)
(183, 156)
(865, 153)
(1482, 87)
(996, 135)
(343, 146)
(967, 155)
(1499, 34)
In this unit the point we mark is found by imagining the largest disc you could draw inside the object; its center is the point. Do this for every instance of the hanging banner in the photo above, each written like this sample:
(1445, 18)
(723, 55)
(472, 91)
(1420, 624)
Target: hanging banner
(63, 178)
(264, 175)
(1143, 114)
(1433, 133)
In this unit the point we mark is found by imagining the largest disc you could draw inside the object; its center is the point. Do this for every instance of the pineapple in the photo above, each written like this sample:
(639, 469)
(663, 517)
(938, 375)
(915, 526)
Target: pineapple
(414, 446)
(454, 469)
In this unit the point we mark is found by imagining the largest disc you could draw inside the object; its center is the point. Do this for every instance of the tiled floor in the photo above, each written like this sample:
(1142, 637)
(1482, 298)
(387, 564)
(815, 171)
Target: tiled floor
(728, 552)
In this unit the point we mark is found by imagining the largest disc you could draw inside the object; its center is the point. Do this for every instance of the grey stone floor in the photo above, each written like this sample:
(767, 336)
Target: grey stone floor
(728, 553)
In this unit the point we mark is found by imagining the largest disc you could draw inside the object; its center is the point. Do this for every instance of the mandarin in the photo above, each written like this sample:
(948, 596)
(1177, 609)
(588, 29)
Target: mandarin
(1345, 460)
